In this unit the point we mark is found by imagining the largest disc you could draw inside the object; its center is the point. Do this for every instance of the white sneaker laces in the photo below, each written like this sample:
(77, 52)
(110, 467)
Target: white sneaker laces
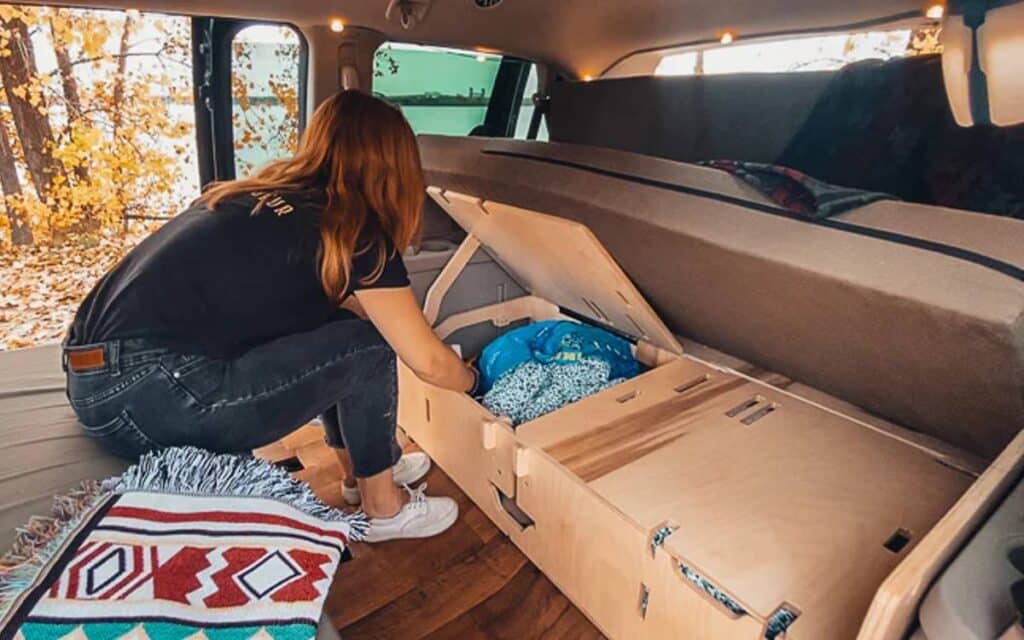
(417, 497)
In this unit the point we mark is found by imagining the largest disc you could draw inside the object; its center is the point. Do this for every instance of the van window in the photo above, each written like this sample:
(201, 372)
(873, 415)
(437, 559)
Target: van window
(821, 52)
(440, 90)
(814, 53)
(265, 90)
(97, 146)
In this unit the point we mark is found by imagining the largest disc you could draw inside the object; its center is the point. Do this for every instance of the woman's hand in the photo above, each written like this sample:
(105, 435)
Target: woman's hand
(398, 317)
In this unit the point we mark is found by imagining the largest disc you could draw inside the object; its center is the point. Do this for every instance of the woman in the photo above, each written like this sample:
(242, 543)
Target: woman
(236, 322)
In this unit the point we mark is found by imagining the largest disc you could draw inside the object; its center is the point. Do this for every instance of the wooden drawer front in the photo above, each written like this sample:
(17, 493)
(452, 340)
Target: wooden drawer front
(448, 426)
(604, 563)
(677, 608)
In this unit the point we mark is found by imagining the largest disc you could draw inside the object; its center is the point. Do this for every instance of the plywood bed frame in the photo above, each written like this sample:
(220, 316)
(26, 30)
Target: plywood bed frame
(690, 501)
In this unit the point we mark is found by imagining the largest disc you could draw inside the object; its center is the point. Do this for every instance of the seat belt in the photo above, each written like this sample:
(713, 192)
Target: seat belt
(974, 17)
(540, 110)
(541, 102)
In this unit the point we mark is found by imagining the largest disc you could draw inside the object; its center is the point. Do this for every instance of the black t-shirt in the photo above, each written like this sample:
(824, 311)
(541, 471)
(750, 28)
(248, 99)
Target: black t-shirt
(219, 282)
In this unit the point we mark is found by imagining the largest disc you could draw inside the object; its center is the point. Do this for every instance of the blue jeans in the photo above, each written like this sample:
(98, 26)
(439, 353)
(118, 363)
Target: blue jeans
(145, 397)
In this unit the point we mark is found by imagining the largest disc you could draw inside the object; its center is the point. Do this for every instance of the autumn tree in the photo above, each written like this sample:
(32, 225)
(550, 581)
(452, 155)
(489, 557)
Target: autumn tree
(265, 99)
(60, 24)
(96, 131)
(101, 140)
(10, 187)
(27, 102)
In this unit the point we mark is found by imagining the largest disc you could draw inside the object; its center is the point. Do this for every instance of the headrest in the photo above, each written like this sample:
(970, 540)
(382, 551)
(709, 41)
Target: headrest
(983, 45)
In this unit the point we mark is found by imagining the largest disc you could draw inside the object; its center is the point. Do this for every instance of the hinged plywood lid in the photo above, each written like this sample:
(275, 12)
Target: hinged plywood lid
(561, 261)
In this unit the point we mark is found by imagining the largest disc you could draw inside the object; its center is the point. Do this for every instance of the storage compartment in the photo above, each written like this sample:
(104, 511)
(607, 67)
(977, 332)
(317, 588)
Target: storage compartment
(688, 502)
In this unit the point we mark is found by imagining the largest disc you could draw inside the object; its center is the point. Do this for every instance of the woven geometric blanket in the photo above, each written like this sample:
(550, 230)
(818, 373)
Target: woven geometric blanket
(207, 560)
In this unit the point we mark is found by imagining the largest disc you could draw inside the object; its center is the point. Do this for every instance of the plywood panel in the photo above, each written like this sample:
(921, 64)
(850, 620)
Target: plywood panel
(465, 210)
(602, 561)
(795, 507)
(894, 607)
(561, 261)
(449, 427)
(637, 418)
(678, 609)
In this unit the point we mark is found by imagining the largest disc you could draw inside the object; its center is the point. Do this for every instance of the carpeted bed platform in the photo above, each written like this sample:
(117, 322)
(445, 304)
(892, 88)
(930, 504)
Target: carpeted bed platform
(43, 452)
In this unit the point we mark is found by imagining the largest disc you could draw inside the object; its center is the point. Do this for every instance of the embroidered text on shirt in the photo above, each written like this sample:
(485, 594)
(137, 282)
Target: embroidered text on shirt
(276, 203)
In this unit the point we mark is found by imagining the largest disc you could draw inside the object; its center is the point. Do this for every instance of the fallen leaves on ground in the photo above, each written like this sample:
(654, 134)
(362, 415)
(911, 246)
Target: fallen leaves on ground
(43, 286)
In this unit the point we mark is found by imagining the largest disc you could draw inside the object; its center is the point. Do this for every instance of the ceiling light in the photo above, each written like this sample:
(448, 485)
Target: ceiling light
(935, 11)
(587, 77)
(727, 37)
(337, 26)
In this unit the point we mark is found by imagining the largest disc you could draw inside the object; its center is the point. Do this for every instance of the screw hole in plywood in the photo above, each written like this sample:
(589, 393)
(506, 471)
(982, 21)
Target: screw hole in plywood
(627, 397)
(898, 540)
(596, 310)
(636, 327)
(692, 384)
(741, 407)
(760, 413)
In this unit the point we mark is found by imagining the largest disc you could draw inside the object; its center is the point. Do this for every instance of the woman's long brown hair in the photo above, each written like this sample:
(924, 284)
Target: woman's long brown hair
(365, 152)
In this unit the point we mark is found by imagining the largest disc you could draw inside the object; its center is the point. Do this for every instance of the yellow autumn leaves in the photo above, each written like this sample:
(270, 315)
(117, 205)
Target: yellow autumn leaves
(110, 134)
(114, 136)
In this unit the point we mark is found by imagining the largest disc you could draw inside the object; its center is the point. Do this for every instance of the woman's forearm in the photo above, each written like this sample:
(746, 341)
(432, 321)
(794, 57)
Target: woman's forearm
(398, 317)
(447, 370)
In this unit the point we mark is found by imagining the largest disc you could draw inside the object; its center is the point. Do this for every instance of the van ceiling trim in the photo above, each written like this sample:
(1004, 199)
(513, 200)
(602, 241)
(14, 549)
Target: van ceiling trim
(982, 260)
(750, 37)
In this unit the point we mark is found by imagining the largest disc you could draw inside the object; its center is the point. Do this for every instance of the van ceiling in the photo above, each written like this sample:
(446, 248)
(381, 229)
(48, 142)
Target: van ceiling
(580, 36)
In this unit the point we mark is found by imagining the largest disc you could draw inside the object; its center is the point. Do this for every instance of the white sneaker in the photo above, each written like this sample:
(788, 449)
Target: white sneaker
(410, 468)
(421, 517)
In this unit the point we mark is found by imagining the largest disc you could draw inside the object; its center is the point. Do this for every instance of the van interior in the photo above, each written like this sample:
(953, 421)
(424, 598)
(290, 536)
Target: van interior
(830, 424)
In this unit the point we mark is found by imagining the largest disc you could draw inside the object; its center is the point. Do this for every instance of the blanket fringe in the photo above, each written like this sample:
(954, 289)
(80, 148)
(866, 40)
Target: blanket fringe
(36, 543)
(179, 470)
(189, 470)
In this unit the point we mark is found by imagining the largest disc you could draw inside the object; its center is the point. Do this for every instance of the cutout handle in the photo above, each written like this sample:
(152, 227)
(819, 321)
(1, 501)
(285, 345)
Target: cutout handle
(513, 510)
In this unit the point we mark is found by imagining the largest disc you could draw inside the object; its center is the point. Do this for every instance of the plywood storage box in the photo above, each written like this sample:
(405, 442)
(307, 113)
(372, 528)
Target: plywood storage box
(689, 502)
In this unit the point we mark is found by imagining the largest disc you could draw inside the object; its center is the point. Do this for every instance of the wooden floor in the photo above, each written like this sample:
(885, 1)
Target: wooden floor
(469, 583)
